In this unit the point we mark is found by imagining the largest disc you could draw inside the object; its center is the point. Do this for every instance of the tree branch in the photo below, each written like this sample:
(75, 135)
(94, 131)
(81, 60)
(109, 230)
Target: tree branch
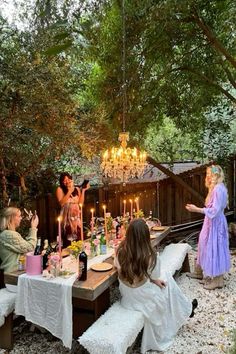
(212, 38)
(176, 178)
(229, 74)
(209, 81)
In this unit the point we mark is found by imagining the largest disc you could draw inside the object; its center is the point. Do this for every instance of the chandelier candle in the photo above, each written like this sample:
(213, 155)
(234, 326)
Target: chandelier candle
(92, 221)
(131, 209)
(124, 211)
(81, 218)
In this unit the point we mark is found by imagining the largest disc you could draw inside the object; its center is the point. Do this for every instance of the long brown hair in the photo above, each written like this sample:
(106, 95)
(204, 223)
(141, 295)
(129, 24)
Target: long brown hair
(135, 254)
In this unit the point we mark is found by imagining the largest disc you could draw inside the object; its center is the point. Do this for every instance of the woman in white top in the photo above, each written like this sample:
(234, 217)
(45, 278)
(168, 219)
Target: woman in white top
(69, 197)
(164, 306)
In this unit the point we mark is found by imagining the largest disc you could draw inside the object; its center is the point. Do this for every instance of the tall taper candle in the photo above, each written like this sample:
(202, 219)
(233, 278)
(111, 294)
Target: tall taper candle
(105, 223)
(131, 209)
(81, 218)
(137, 204)
(92, 220)
(59, 236)
(124, 211)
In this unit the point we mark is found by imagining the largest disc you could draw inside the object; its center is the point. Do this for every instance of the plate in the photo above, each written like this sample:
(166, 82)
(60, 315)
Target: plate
(101, 267)
(158, 228)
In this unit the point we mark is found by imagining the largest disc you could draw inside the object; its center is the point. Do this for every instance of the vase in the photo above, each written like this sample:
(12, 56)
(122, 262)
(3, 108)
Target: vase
(93, 251)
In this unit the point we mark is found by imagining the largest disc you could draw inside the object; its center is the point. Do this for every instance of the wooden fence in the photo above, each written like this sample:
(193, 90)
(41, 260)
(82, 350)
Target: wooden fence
(166, 199)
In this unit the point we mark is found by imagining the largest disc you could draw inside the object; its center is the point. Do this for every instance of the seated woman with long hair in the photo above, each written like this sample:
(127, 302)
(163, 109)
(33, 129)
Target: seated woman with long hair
(164, 306)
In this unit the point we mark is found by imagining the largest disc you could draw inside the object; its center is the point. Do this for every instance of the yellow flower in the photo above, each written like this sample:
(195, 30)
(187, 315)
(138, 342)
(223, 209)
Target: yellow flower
(76, 247)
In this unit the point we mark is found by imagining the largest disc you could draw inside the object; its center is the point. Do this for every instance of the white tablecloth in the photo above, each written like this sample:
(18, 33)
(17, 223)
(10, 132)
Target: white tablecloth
(48, 303)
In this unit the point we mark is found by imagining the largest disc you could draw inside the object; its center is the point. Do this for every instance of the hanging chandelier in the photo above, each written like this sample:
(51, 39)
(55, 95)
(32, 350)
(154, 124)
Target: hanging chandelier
(123, 163)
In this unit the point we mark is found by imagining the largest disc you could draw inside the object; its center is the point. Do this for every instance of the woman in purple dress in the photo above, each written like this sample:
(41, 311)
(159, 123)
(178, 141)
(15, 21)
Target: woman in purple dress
(213, 256)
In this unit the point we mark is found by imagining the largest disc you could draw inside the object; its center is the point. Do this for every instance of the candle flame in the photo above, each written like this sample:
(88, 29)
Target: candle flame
(92, 210)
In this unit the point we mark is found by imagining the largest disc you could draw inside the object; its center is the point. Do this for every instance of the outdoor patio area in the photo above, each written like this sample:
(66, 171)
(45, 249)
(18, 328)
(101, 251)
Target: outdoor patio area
(210, 331)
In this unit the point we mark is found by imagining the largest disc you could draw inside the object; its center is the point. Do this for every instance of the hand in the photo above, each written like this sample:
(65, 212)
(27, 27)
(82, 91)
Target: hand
(87, 187)
(71, 187)
(191, 207)
(34, 221)
(159, 283)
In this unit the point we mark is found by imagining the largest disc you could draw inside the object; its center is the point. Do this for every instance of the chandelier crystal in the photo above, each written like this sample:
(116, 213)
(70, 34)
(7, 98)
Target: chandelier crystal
(124, 162)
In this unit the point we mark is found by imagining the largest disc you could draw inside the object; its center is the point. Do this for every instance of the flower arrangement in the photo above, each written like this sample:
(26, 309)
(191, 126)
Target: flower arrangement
(75, 248)
(139, 214)
(109, 221)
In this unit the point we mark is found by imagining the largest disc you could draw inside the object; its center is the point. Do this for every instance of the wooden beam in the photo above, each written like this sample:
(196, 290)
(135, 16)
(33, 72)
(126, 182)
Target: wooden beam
(177, 179)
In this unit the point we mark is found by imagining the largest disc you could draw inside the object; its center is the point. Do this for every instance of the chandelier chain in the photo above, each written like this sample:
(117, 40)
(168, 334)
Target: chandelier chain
(123, 163)
(124, 87)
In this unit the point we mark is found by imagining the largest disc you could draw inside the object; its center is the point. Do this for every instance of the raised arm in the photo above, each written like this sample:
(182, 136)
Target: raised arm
(82, 194)
(61, 197)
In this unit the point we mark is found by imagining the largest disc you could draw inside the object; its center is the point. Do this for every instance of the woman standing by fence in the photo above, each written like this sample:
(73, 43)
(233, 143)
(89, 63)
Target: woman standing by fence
(213, 256)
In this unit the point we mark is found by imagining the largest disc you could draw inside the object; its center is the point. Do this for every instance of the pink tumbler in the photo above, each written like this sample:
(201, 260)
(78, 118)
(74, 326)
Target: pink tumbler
(33, 264)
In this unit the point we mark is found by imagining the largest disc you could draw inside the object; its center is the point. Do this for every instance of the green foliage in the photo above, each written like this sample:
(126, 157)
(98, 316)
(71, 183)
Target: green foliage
(168, 143)
(233, 348)
(174, 67)
(62, 93)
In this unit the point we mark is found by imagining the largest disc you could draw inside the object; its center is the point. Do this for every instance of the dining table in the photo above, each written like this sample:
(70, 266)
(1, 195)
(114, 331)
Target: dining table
(91, 298)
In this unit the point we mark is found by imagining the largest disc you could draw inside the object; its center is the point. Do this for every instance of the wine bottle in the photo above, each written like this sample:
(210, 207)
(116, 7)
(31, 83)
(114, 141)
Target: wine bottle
(46, 254)
(38, 250)
(83, 266)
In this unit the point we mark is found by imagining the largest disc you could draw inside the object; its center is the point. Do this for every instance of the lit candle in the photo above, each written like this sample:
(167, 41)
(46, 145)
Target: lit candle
(124, 212)
(92, 220)
(131, 209)
(137, 204)
(81, 218)
(105, 222)
(59, 236)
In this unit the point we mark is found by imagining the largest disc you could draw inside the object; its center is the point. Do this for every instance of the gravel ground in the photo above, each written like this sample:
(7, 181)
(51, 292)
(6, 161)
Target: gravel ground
(210, 331)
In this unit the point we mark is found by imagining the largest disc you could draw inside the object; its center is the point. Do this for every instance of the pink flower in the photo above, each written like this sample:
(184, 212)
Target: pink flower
(96, 242)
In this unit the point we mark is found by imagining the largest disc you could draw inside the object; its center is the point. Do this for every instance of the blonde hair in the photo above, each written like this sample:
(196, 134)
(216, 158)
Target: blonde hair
(217, 176)
(6, 217)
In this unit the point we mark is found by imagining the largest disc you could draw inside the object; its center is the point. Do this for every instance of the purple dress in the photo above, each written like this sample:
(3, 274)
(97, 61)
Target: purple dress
(213, 245)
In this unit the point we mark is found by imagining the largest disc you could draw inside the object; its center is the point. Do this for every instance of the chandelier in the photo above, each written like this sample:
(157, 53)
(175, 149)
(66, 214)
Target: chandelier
(123, 163)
